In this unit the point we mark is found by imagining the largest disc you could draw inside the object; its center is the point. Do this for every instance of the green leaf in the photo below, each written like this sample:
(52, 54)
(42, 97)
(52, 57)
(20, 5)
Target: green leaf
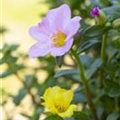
(107, 102)
(86, 60)
(113, 116)
(112, 88)
(36, 113)
(59, 61)
(65, 72)
(3, 30)
(69, 118)
(80, 115)
(79, 98)
(87, 45)
(116, 2)
(53, 117)
(96, 64)
(25, 115)
(31, 81)
(13, 47)
(17, 99)
(94, 31)
(112, 12)
(11, 71)
(8, 59)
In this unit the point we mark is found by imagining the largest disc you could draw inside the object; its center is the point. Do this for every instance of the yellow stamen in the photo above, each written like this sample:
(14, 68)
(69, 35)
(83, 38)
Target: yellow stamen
(58, 39)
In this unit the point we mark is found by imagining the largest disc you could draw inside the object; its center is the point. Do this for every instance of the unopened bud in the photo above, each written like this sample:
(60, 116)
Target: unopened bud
(116, 24)
(99, 15)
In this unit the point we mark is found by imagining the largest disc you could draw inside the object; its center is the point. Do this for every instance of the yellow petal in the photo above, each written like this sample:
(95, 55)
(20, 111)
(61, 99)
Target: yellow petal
(50, 93)
(49, 97)
(69, 112)
(64, 98)
(47, 93)
(68, 96)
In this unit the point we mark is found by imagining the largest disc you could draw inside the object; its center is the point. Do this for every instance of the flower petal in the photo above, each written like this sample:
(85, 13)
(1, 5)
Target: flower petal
(73, 26)
(49, 97)
(59, 51)
(36, 33)
(69, 112)
(44, 26)
(39, 49)
(59, 17)
(67, 97)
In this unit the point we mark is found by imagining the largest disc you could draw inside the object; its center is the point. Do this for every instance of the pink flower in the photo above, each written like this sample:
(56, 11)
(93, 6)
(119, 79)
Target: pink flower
(95, 12)
(54, 33)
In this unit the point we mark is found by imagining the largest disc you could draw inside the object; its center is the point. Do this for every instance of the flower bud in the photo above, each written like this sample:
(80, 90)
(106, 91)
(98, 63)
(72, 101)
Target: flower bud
(99, 15)
(116, 24)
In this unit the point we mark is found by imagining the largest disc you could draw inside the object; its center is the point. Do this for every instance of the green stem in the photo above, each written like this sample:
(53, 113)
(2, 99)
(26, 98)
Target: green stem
(104, 42)
(85, 83)
(28, 90)
(103, 56)
(117, 104)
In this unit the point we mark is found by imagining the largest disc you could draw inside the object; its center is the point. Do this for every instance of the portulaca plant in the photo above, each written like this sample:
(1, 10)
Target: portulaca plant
(56, 36)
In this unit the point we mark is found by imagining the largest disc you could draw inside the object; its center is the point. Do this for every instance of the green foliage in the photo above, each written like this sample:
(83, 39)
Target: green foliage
(87, 45)
(80, 115)
(103, 76)
(53, 117)
(17, 99)
(3, 30)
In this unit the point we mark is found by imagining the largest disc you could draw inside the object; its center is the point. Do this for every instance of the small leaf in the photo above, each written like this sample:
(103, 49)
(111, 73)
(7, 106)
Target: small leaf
(59, 60)
(112, 12)
(36, 113)
(3, 30)
(87, 45)
(65, 72)
(112, 89)
(80, 115)
(8, 59)
(69, 118)
(78, 98)
(96, 64)
(31, 80)
(53, 117)
(25, 115)
(13, 47)
(11, 71)
(17, 99)
(113, 116)
(94, 31)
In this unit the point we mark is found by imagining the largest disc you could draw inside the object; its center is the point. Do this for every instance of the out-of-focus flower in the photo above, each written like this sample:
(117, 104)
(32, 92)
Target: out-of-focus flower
(58, 100)
(95, 12)
(54, 33)
(99, 15)
(116, 24)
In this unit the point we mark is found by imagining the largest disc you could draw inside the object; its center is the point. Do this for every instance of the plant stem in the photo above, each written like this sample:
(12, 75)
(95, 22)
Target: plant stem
(117, 103)
(85, 83)
(104, 42)
(103, 56)
(28, 90)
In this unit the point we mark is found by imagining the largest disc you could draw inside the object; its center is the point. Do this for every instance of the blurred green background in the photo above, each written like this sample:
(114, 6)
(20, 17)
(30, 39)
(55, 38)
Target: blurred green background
(17, 17)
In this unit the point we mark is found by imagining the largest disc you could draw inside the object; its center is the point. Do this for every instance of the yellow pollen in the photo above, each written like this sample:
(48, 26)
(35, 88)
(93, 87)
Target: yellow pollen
(60, 108)
(58, 39)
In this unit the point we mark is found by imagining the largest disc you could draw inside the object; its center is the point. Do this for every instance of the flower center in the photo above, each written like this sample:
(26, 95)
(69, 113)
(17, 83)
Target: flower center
(60, 108)
(58, 39)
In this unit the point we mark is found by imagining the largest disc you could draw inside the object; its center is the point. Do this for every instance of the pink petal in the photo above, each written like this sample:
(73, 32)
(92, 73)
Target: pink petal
(36, 33)
(44, 26)
(59, 51)
(73, 26)
(59, 17)
(39, 49)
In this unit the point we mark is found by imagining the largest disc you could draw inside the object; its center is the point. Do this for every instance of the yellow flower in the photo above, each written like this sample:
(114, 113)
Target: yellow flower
(58, 100)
